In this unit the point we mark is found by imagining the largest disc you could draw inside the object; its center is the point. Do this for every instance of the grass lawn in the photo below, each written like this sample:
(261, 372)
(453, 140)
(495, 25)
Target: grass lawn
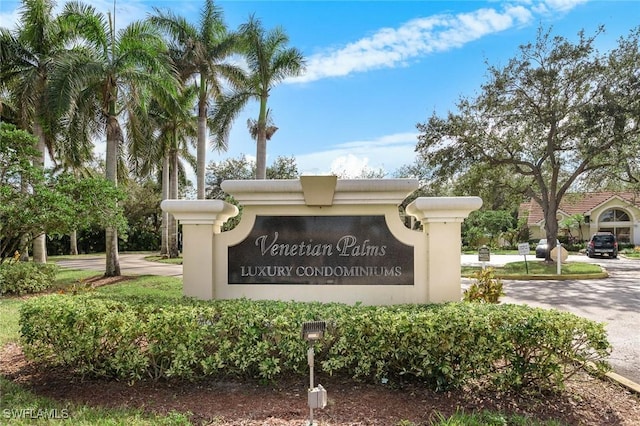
(497, 251)
(155, 258)
(9, 309)
(631, 254)
(146, 285)
(67, 278)
(538, 267)
(19, 401)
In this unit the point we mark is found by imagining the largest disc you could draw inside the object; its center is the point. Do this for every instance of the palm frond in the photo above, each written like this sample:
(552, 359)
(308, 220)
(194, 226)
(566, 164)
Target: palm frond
(211, 23)
(223, 115)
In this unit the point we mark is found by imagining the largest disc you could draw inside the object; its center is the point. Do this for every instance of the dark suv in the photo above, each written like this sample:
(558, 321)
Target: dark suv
(602, 243)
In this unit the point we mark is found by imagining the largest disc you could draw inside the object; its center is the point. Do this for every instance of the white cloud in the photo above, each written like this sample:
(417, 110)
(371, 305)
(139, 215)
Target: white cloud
(553, 6)
(9, 19)
(350, 159)
(349, 166)
(394, 47)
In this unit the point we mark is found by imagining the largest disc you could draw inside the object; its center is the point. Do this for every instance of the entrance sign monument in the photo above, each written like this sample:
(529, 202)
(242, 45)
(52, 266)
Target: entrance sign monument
(319, 238)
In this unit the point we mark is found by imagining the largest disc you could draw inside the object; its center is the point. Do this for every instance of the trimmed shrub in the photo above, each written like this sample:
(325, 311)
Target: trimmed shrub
(445, 346)
(485, 289)
(26, 277)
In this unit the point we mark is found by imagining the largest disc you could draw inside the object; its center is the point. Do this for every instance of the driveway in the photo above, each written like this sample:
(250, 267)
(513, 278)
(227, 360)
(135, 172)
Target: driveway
(614, 300)
(130, 264)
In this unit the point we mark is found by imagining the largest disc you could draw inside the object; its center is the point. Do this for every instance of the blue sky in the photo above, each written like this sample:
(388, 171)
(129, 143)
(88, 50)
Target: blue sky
(377, 68)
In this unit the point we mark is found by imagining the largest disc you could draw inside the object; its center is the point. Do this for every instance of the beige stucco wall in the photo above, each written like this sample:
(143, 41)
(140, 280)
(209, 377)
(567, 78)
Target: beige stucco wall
(441, 219)
(615, 203)
(201, 221)
(436, 248)
(538, 231)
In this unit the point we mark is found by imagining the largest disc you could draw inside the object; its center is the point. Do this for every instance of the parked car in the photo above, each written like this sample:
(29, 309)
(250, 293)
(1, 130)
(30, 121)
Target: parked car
(542, 247)
(602, 243)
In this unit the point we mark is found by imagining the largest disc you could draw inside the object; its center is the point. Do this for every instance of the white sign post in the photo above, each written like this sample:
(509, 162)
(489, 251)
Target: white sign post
(523, 249)
(559, 254)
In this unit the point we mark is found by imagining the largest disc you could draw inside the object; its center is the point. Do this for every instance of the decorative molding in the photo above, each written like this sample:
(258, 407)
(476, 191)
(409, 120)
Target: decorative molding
(200, 212)
(443, 209)
(318, 190)
(347, 192)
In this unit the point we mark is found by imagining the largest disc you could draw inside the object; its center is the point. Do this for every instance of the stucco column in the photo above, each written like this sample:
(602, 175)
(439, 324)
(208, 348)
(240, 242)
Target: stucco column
(441, 219)
(201, 221)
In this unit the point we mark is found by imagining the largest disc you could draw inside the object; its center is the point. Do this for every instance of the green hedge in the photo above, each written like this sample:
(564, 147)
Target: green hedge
(26, 277)
(446, 346)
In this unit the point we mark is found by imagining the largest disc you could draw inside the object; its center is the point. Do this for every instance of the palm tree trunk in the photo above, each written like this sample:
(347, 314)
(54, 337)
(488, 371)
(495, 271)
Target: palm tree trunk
(202, 142)
(261, 142)
(112, 262)
(40, 249)
(23, 248)
(73, 237)
(173, 194)
(111, 232)
(261, 154)
(40, 241)
(164, 243)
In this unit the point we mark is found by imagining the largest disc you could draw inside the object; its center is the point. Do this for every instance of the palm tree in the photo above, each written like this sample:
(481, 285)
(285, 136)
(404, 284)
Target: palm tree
(92, 80)
(252, 125)
(200, 54)
(270, 62)
(171, 128)
(26, 59)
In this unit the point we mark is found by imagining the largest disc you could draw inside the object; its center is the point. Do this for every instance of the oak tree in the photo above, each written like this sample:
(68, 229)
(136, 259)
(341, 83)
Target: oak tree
(555, 113)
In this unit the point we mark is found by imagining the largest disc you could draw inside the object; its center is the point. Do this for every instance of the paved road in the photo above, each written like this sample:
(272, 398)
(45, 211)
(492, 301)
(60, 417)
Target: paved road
(130, 264)
(614, 300)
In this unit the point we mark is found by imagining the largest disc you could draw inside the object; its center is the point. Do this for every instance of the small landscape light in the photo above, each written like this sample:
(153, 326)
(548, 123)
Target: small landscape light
(313, 331)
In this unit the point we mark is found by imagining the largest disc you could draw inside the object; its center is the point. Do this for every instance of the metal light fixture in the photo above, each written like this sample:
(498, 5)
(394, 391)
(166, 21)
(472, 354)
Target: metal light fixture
(313, 331)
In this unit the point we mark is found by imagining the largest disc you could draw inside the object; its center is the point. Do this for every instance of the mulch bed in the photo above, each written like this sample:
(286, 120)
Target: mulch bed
(586, 401)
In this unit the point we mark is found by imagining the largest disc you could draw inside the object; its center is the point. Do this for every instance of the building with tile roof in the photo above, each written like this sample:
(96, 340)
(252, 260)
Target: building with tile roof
(615, 212)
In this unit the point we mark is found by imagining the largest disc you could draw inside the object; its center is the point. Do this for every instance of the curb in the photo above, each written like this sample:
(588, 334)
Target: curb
(624, 382)
(600, 275)
(616, 378)
(597, 276)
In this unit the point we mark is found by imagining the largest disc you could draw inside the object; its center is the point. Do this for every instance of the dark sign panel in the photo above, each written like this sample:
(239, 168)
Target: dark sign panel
(484, 254)
(321, 250)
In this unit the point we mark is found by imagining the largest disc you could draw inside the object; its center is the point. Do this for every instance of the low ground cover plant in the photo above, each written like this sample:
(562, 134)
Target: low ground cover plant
(445, 346)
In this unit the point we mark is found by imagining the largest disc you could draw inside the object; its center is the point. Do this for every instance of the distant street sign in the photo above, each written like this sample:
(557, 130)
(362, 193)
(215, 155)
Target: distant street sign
(484, 254)
(564, 254)
(523, 249)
